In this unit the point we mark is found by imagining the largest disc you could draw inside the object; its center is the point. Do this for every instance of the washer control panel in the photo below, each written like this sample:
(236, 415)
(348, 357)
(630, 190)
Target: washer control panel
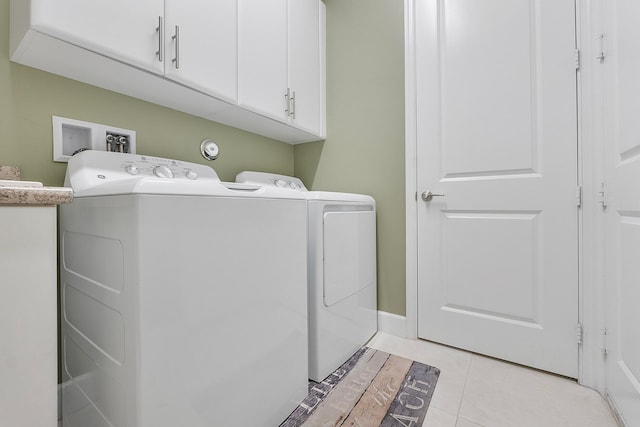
(159, 168)
(90, 169)
(271, 179)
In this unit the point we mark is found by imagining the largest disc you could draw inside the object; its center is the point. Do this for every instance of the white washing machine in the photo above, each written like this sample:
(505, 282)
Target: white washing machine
(183, 298)
(342, 270)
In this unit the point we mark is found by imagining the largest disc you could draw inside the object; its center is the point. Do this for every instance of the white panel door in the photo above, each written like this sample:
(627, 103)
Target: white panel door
(204, 54)
(262, 57)
(496, 132)
(121, 29)
(622, 211)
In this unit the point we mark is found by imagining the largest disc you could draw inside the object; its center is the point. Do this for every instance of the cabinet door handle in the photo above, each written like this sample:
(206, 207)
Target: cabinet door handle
(287, 98)
(159, 30)
(293, 105)
(176, 40)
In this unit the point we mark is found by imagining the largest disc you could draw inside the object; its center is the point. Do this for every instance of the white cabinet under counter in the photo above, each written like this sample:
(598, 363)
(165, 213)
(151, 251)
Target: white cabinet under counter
(28, 325)
(28, 303)
(186, 55)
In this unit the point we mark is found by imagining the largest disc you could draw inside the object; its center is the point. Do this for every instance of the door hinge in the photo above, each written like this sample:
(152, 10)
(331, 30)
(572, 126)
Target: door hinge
(579, 196)
(602, 195)
(577, 59)
(579, 333)
(603, 348)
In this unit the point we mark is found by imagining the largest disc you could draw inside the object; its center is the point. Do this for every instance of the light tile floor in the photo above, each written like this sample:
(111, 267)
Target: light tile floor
(477, 391)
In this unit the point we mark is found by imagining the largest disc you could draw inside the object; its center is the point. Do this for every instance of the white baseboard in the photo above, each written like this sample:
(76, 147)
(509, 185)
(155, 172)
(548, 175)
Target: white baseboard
(392, 324)
(614, 410)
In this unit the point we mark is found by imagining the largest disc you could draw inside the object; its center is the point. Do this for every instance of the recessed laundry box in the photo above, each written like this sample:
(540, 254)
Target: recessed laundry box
(342, 270)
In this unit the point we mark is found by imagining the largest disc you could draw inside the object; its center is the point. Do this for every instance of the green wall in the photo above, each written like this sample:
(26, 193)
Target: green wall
(364, 149)
(29, 97)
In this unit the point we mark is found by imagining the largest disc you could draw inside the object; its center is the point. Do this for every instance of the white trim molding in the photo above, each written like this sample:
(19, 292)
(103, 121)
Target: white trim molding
(591, 137)
(392, 324)
(411, 195)
(591, 284)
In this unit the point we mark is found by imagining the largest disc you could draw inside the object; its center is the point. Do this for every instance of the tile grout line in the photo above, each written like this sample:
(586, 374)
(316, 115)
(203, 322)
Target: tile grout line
(464, 387)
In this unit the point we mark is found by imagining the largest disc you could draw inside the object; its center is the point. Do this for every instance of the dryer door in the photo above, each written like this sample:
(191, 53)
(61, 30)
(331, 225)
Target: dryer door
(349, 254)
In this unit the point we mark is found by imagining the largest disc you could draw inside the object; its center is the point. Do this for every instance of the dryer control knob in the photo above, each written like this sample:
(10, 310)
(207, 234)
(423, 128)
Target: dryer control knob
(132, 169)
(191, 175)
(163, 171)
(293, 185)
(280, 183)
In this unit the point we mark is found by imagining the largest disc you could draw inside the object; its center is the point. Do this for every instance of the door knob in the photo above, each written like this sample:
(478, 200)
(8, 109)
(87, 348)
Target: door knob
(427, 196)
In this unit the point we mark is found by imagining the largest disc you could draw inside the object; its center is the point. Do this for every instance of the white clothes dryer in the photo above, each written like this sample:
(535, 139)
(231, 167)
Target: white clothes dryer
(342, 270)
(182, 302)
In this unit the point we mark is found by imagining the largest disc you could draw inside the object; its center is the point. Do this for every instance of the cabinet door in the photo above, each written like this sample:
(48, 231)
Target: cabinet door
(203, 55)
(120, 29)
(262, 56)
(304, 63)
(28, 365)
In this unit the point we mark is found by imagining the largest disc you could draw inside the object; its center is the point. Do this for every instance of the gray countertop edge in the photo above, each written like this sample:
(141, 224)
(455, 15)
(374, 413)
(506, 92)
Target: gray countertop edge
(35, 196)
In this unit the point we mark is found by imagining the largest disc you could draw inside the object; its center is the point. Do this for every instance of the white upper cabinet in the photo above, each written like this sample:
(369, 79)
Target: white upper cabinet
(251, 64)
(121, 29)
(279, 61)
(305, 64)
(262, 57)
(201, 47)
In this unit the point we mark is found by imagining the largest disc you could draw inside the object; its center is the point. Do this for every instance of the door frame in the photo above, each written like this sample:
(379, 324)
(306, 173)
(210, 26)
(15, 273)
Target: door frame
(590, 243)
